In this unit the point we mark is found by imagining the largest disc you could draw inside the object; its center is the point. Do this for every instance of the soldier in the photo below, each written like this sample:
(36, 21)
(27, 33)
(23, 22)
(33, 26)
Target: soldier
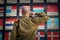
(27, 26)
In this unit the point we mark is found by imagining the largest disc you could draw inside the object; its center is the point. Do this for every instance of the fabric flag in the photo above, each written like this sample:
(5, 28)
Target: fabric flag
(1, 1)
(24, 1)
(9, 23)
(11, 11)
(7, 35)
(40, 36)
(38, 1)
(11, 1)
(53, 36)
(38, 9)
(52, 9)
(52, 23)
(52, 0)
(1, 24)
(0, 35)
(1, 11)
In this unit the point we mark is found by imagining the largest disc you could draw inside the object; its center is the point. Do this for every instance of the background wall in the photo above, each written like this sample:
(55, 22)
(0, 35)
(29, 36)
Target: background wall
(10, 11)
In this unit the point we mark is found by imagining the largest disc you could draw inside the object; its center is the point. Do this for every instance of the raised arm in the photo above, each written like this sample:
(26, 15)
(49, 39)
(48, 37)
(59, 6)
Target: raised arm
(42, 17)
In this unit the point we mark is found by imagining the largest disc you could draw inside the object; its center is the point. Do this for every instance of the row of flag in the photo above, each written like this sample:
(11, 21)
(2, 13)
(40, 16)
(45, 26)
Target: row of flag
(27, 1)
(52, 23)
(52, 10)
(50, 36)
(39, 35)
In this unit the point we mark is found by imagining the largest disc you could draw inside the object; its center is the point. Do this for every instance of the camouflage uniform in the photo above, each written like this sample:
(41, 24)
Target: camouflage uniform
(28, 27)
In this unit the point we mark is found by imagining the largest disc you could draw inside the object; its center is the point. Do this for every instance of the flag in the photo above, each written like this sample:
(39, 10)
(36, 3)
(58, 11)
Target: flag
(9, 23)
(53, 36)
(38, 8)
(11, 11)
(40, 36)
(52, 9)
(53, 23)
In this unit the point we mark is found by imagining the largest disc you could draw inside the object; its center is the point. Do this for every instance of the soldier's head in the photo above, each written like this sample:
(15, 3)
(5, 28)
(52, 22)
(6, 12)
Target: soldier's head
(25, 10)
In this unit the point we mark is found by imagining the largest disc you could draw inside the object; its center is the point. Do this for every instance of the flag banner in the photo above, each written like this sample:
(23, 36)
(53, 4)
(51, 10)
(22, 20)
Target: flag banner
(1, 11)
(52, 0)
(0, 35)
(53, 23)
(20, 9)
(41, 26)
(7, 35)
(11, 11)
(24, 1)
(40, 36)
(38, 8)
(1, 1)
(52, 9)
(1, 24)
(9, 23)
(38, 1)
(53, 36)
(11, 1)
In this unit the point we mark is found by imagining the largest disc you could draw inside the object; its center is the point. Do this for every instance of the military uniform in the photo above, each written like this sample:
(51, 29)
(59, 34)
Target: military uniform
(27, 27)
